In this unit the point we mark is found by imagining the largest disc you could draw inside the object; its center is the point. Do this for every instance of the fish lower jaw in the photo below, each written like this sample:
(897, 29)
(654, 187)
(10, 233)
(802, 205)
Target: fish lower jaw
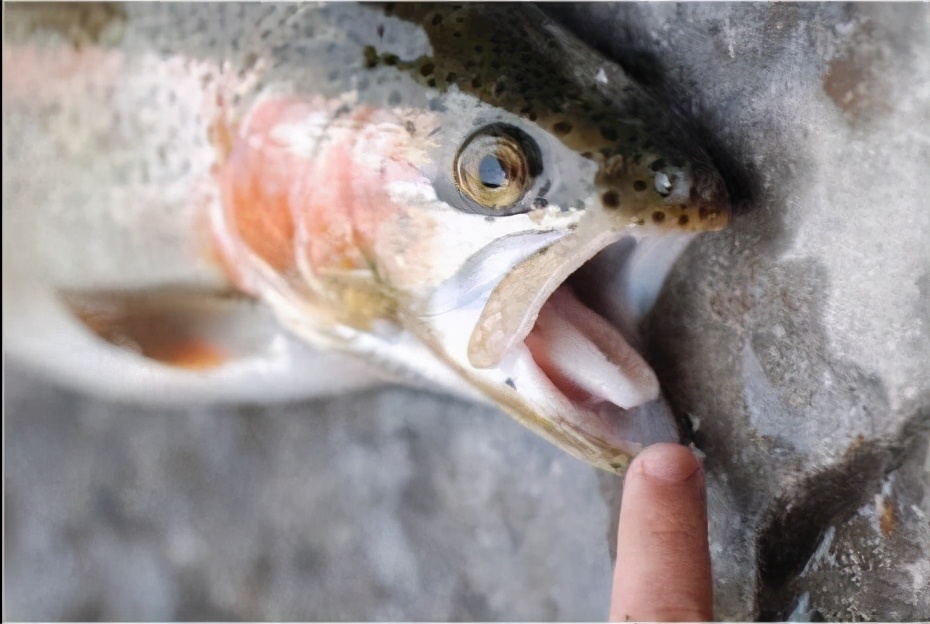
(586, 358)
(612, 394)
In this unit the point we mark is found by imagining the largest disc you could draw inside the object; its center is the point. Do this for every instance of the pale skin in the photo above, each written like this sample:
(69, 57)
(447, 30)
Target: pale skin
(663, 571)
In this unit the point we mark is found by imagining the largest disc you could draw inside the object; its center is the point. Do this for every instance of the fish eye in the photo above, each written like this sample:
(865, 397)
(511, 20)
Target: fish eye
(495, 167)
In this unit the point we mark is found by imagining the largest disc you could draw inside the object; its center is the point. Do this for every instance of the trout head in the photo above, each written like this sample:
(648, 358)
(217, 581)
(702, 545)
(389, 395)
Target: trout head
(494, 215)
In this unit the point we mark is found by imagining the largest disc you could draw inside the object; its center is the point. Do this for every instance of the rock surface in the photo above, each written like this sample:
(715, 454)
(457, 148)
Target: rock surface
(797, 343)
(795, 346)
(386, 505)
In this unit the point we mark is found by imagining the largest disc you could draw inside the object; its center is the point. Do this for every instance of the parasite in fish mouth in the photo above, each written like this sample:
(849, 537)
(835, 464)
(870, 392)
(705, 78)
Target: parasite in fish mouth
(465, 196)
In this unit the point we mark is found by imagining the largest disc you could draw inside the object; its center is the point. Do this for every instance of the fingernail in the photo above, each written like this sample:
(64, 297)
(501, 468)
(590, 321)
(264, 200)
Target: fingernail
(671, 463)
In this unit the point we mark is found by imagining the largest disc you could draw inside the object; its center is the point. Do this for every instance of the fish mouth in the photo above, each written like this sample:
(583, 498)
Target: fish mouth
(563, 328)
(586, 357)
(578, 366)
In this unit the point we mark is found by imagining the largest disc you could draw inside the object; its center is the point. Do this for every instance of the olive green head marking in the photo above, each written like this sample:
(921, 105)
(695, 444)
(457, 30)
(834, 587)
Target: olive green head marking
(548, 78)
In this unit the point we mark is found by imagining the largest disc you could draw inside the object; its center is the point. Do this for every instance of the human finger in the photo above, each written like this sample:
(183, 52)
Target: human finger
(663, 563)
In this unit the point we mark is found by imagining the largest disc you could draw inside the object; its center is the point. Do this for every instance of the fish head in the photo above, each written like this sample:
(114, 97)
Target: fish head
(461, 194)
(506, 221)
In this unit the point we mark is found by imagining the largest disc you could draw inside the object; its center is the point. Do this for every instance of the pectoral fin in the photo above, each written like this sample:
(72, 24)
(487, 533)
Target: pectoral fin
(195, 331)
(172, 347)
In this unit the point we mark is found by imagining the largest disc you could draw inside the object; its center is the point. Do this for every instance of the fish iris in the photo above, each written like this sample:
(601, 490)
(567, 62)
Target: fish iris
(495, 168)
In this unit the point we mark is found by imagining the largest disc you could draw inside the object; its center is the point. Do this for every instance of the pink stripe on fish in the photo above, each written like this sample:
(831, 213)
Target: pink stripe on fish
(304, 185)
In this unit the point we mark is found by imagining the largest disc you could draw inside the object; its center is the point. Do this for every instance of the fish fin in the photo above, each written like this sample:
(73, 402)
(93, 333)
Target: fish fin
(172, 348)
(195, 331)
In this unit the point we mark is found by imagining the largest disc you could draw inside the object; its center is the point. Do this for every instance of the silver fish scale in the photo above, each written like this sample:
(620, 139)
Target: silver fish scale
(313, 48)
(135, 195)
(141, 172)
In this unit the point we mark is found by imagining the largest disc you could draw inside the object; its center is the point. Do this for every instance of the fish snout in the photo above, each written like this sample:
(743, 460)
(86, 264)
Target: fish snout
(710, 201)
(668, 198)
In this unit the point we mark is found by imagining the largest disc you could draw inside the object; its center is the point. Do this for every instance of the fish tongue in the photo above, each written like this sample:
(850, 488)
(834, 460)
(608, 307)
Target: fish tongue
(582, 354)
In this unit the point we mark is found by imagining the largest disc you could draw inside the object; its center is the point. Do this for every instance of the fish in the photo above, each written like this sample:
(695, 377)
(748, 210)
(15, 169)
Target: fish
(258, 202)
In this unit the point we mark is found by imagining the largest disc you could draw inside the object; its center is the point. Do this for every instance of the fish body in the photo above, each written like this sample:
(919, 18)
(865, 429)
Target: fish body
(233, 195)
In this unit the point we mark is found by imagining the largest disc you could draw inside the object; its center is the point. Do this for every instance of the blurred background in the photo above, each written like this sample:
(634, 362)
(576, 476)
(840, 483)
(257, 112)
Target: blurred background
(385, 505)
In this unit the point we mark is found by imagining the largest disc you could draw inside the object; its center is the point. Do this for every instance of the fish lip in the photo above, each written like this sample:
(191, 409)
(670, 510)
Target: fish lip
(709, 194)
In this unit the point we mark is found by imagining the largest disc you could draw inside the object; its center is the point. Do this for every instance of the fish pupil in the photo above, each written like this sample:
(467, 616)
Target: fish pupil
(492, 173)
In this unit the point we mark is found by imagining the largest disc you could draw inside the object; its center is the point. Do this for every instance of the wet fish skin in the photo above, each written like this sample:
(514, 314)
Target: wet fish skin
(217, 117)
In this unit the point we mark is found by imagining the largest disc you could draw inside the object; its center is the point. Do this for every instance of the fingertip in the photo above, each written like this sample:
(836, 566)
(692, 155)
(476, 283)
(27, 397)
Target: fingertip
(663, 562)
(669, 463)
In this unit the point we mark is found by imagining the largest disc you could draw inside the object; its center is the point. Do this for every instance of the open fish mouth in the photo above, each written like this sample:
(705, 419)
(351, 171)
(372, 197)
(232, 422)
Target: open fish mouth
(574, 363)
(557, 341)
(581, 353)
(586, 358)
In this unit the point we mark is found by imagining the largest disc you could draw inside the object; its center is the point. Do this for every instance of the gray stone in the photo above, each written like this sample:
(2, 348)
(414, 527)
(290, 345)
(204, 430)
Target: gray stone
(797, 343)
(385, 505)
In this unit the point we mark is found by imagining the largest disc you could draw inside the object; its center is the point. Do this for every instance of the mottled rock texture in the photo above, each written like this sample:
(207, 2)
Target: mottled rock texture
(387, 505)
(795, 347)
(797, 343)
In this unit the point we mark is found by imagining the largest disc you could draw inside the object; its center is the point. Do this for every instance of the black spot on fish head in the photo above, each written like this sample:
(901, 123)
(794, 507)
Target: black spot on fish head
(611, 199)
(642, 169)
